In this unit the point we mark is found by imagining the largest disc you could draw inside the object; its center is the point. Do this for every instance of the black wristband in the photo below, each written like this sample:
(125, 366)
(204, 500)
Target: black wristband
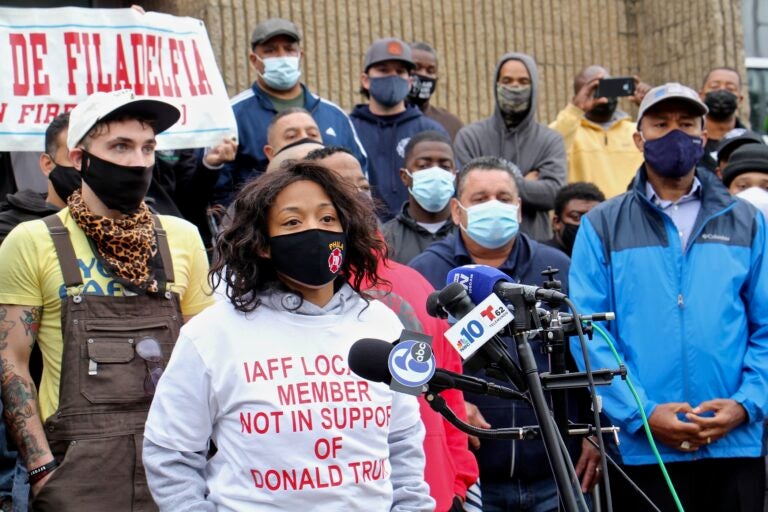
(39, 473)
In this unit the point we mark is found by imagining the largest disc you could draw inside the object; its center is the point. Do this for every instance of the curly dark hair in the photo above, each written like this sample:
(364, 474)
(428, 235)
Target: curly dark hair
(246, 274)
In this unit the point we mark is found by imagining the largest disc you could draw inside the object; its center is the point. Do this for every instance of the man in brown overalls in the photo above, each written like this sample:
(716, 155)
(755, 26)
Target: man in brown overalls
(103, 287)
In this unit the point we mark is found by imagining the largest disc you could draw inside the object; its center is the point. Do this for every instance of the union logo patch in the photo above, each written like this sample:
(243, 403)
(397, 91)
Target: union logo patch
(334, 260)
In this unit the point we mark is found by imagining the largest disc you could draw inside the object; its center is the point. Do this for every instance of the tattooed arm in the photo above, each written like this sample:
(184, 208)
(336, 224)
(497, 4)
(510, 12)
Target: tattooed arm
(18, 329)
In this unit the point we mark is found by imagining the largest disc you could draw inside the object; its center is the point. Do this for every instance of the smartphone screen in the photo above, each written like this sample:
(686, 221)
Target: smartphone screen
(615, 87)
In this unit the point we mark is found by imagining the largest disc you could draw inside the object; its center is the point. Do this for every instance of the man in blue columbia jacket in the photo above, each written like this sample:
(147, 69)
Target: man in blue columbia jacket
(683, 265)
(276, 56)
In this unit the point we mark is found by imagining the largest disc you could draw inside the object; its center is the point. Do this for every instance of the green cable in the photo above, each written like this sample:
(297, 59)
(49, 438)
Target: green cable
(645, 419)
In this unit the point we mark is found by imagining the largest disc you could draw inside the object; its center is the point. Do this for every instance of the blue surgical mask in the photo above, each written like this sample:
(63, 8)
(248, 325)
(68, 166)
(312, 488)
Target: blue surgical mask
(389, 90)
(432, 188)
(674, 154)
(281, 73)
(492, 223)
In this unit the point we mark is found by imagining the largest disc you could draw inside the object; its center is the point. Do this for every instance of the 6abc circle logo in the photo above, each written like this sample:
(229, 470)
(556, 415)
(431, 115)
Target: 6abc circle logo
(412, 363)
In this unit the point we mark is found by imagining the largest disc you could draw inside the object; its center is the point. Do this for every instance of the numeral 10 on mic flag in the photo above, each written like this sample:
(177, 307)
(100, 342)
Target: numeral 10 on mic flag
(481, 324)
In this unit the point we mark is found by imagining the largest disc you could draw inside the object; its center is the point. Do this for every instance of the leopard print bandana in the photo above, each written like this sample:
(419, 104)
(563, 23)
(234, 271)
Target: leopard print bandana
(125, 245)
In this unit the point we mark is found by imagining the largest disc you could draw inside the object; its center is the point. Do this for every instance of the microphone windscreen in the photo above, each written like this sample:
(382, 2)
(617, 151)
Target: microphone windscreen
(478, 280)
(433, 306)
(369, 358)
(450, 293)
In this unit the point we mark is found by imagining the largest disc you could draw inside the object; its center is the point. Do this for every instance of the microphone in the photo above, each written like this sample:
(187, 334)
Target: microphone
(455, 300)
(482, 281)
(475, 325)
(410, 361)
(476, 330)
(370, 359)
(434, 309)
(363, 352)
(452, 295)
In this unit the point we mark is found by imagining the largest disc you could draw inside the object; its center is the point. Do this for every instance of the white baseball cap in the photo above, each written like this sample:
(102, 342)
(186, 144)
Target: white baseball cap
(103, 105)
(668, 91)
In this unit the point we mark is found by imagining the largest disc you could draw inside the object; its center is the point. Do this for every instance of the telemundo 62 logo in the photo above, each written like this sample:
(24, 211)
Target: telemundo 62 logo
(411, 363)
(478, 326)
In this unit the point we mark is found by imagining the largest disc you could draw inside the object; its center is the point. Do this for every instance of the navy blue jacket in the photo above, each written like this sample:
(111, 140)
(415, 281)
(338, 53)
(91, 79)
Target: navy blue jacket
(504, 460)
(254, 111)
(384, 139)
(691, 322)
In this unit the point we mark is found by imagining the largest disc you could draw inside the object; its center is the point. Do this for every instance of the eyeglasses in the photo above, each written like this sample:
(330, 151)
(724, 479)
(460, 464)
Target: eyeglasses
(149, 350)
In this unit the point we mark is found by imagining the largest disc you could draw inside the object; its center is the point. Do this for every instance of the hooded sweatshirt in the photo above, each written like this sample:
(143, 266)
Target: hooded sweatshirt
(602, 154)
(529, 145)
(22, 206)
(294, 428)
(384, 139)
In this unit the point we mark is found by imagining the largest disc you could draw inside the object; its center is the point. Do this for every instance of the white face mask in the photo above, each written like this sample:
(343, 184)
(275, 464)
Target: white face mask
(758, 197)
(432, 188)
(281, 73)
(491, 224)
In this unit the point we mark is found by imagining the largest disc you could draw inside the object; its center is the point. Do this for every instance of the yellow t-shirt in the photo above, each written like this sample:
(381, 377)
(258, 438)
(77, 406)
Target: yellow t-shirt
(30, 275)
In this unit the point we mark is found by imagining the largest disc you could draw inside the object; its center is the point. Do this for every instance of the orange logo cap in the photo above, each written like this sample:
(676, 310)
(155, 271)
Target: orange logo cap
(395, 48)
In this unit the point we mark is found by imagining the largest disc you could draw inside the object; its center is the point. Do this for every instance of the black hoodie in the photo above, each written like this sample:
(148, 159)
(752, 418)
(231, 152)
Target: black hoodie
(22, 206)
(384, 139)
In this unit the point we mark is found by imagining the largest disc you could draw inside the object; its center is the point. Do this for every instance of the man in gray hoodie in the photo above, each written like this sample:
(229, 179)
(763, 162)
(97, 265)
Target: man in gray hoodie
(513, 133)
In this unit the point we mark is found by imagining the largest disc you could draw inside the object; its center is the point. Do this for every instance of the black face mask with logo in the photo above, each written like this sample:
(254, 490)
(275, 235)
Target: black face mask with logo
(119, 187)
(313, 257)
(422, 88)
(721, 103)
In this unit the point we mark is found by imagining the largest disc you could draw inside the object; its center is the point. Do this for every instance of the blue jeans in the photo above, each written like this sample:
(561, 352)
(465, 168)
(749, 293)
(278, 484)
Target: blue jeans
(518, 495)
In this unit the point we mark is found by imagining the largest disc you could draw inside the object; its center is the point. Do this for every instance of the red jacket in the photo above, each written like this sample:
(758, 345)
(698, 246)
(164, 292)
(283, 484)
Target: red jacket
(451, 468)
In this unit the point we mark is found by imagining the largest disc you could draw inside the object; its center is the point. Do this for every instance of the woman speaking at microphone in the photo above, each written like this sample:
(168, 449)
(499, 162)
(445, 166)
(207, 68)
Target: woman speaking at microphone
(264, 375)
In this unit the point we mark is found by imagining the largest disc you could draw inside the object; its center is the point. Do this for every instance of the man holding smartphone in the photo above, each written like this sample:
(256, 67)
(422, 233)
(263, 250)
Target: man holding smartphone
(598, 136)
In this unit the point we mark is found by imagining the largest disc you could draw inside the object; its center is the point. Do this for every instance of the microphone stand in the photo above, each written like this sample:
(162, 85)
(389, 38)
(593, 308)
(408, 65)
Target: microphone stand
(524, 313)
(440, 406)
(555, 345)
(493, 356)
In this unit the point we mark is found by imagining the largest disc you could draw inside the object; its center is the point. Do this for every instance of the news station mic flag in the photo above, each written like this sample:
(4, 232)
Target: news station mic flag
(406, 364)
(372, 360)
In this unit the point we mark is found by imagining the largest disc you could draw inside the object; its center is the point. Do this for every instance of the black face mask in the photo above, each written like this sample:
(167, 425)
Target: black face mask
(422, 89)
(305, 140)
(605, 110)
(65, 180)
(313, 257)
(119, 187)
(568, 236)
(721, 103)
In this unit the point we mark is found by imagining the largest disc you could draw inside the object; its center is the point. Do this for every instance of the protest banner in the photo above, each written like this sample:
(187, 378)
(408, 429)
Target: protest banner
(51, 59)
